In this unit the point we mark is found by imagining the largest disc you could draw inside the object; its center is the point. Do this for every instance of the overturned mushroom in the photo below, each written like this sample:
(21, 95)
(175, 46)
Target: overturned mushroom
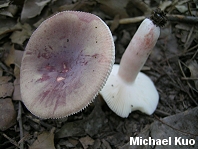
(127, 89)
(66, 62)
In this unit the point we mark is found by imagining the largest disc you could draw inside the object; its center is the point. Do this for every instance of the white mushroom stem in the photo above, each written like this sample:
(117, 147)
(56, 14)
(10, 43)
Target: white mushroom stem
(138, 50)
(127, 89)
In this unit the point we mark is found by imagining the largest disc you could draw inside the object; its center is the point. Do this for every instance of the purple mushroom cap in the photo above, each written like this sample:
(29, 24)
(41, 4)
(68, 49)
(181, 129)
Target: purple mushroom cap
(66, 63)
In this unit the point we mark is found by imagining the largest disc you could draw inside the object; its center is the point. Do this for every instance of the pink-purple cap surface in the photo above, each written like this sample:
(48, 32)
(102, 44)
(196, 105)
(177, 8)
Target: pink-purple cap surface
(66, 63)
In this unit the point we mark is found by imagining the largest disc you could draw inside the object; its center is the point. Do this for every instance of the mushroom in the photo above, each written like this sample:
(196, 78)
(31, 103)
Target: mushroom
(66, 63)
(127, 89)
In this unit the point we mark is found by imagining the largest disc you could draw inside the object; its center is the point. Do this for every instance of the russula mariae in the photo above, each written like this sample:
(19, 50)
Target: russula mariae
(127, 89)
(65, 64)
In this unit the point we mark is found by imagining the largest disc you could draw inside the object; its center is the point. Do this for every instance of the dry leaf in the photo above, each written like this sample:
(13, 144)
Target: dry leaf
(181, 8)
(6, 88)
(4, 5)
(36, 25)
(67, 7)
(71, 129)
(9, 11)
(73, 141)
(115, 23)
(44, 141)
(86, 141)
(8, 114)
(32, 8)
(14, 57)
(70, 143)
(13, 9)
(17, 91)
(6, 13)
(165, 4)
(18, 57)
(20, 36)
(4, 79)
(7, 25)
(114, 7)
(105, 144)
(10, 57)
(85, 6)
(90, 125)
(17, 61)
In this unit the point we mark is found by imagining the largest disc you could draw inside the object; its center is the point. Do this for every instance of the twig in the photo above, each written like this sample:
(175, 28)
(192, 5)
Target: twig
(162, 113)
(170, 17)
(40, 122)
(194, 47)
(181, 54)
(19, 119)
(175, 83)
(26, 137)
(194, 55)
(142, 6)
(186, 78)
(182, 18)
(4, 67)
(131, 20)
(11, 140)
(188, 38)
(128, 20)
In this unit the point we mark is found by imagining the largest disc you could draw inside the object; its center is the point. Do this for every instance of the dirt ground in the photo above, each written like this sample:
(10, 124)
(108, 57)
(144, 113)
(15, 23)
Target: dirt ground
(172, 66)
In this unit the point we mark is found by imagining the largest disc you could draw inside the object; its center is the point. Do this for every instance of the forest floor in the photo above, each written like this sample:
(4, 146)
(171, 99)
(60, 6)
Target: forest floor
(172, 66)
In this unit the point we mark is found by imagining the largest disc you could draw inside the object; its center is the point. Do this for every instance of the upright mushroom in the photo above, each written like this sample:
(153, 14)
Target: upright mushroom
(127, 89)
(66, 63)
